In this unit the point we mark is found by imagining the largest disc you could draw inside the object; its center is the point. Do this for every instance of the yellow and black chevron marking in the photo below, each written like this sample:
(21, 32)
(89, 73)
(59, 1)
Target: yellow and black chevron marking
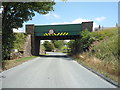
(56, 34)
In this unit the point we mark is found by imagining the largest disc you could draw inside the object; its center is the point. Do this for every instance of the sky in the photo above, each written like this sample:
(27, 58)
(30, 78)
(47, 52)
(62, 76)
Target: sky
(101, 13)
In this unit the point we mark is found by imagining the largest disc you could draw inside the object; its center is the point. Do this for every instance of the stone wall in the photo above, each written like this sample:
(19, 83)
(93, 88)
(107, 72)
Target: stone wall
(88, 26)
(27, 46)
(30, 29)
(35, 42)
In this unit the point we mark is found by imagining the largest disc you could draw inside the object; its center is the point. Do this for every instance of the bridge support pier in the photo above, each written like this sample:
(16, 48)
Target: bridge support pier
(35, 45)
(35, 42)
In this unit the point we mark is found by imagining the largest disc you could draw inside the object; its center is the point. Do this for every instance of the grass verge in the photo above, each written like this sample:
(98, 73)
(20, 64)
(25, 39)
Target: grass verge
(7, 64)
(105, 68)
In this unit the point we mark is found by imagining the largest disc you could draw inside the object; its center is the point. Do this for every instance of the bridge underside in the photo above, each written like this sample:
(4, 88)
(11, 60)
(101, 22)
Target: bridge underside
(35, 40)
(70, 37)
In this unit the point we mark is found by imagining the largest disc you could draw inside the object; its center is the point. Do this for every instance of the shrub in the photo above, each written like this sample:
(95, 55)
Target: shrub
(82, 44)
(48, 46)
(19, 41)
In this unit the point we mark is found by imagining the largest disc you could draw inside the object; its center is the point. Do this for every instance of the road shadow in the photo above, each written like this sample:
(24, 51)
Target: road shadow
(56, 56)
(64, 57)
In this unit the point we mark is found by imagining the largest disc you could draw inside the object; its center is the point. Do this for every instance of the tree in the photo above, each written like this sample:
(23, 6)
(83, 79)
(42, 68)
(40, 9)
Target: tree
(58, 43)
(48, 46)
(70, 43)
(81, 45)
(14, 15)
(99, 27)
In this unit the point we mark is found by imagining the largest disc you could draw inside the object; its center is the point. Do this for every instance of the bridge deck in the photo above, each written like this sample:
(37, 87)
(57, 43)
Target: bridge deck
(59, 30)
(70, 37)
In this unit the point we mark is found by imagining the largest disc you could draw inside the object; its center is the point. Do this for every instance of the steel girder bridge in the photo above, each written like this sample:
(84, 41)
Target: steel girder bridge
(54, 32)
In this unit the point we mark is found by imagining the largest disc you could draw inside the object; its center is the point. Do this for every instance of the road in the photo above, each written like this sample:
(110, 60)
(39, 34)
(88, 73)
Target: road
(52, 71)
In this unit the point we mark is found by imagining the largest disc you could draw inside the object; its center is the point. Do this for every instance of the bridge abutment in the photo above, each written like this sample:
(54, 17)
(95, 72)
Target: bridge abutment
(35, 42)
(35, 45)
(88, 26)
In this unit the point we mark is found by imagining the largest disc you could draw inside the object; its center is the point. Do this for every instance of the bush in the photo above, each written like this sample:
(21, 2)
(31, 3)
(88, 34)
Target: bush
(48, 46)
(19, 41)
(42, 49)
(58, 44)
(16, 41)
(82, 44)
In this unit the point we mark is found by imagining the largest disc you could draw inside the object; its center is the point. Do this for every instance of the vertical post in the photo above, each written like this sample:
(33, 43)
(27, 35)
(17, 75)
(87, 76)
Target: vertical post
(0, 39)
(35, 42)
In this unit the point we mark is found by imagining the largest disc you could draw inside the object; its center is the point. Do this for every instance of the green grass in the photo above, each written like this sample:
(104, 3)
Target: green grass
(105, 33)
(107, 49)
(107, 46)
(25, 58)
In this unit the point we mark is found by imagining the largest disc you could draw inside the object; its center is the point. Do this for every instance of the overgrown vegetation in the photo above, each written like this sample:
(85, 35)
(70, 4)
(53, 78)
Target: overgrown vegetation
(19, 41)
(98, 50)
(48, 46)
(105, 46)
(81, 45)
(58, 44)
(42, 50)
(55, 45)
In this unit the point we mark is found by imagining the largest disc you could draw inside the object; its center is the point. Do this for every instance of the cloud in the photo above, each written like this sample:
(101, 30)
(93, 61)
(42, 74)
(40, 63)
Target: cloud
(100, 18)
(19, 30)
(55, 15)
(76, 21)
(52, 15)
(79, 20)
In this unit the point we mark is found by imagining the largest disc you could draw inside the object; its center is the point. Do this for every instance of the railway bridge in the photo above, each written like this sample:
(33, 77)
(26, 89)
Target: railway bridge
(54, 32)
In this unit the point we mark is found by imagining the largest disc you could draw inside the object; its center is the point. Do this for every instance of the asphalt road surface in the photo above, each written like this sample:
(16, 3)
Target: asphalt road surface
(52, 71)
